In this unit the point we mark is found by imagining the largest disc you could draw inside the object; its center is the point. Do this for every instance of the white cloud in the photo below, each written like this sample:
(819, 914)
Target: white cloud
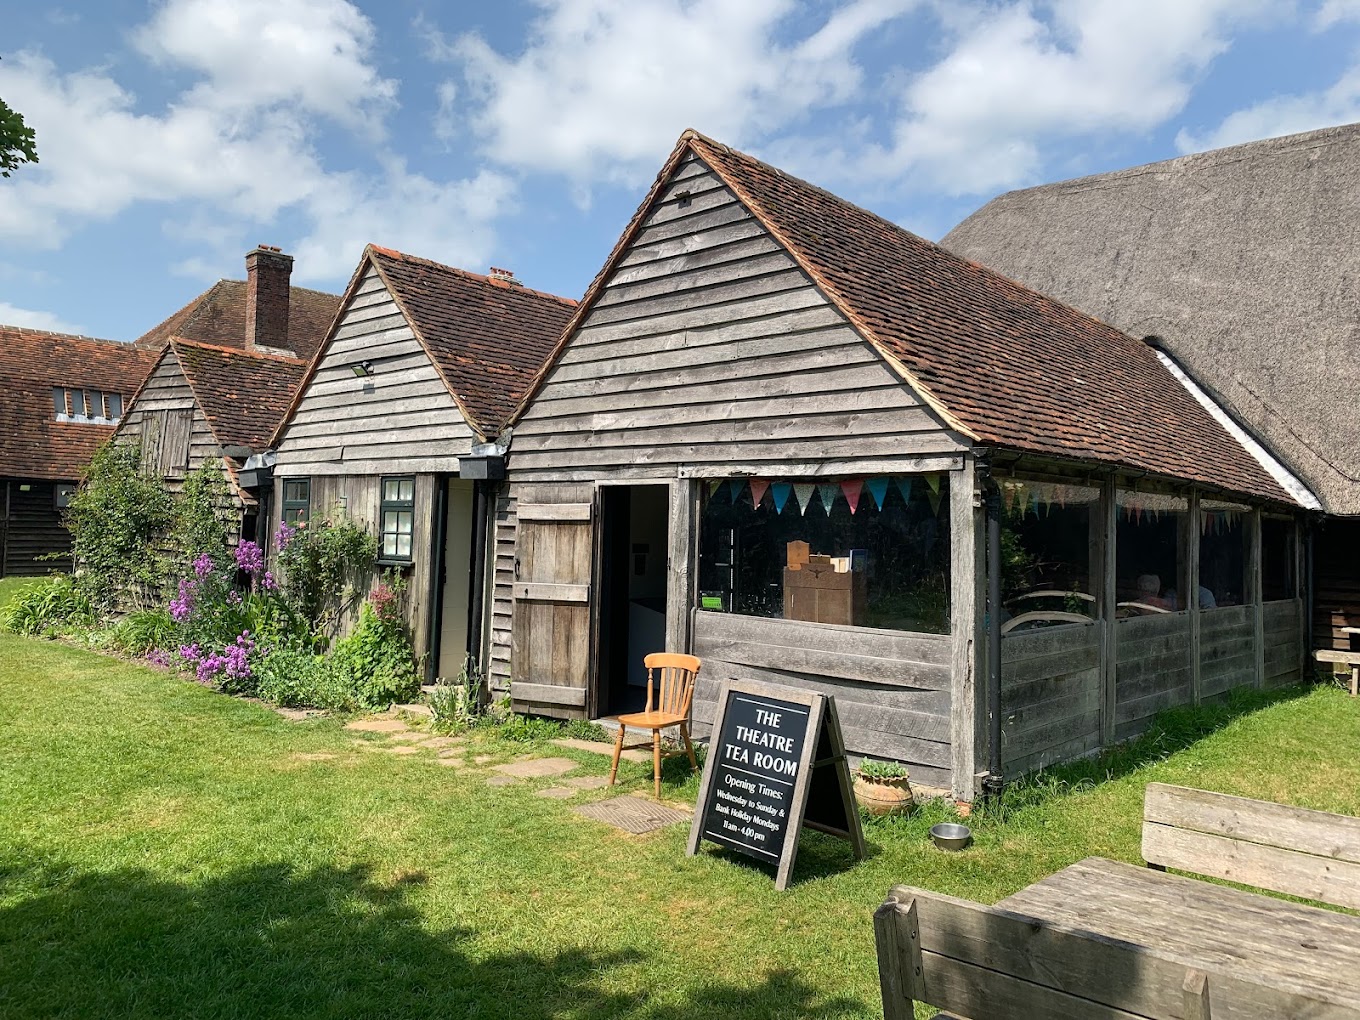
(446, 117)
(311, 54)
(604, 87)
(1333, 12)
(239, 146)
(11, 315)
(1022, 74)
(1283, 115)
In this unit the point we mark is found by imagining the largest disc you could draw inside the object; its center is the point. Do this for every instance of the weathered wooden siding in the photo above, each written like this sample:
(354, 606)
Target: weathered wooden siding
(33, 529)
(399, 420)
(1284, 628)
(146, 421)
(1152, 669)
(1227, 657)
(359, 497)
(1050, 696)
(502, 600)
(710, 350)
(892, 689)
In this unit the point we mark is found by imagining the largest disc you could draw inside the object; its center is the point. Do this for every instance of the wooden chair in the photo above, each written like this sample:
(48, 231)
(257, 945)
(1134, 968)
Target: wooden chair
(670, 708)
(1343, 654)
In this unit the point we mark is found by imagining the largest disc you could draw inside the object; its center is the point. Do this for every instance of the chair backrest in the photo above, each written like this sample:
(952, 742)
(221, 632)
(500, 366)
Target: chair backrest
(673, 674)
(1291, 850)
(986, 963)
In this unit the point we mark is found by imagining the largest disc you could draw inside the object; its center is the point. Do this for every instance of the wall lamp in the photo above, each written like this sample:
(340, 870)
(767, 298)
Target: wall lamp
(362, 368)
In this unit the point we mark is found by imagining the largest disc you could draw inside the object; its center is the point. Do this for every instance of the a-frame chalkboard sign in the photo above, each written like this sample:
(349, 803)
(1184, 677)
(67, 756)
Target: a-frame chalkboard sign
(776, 762)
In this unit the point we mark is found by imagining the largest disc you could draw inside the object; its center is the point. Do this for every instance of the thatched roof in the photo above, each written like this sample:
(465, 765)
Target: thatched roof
(1244, 261)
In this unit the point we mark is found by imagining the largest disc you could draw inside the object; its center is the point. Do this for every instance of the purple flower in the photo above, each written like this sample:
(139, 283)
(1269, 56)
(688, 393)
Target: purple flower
(236, 658)
(158, 657)
(190, 653)
(209, 666)
(183, 604)
(234, 598)
(269, 583)
(203, 566)
(250, 558)
(286, 534)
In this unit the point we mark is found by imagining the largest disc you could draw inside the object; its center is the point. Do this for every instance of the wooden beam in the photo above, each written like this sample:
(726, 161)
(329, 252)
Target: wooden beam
(555, 511)
(963, 580)
(544, 592)
(1108, 597)
(547, 694)
(680, 555)
(1192, 598)
(1258, 626)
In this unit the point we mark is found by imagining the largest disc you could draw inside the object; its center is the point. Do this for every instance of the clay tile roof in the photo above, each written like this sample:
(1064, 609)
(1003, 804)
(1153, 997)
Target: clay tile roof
(1003, 363)
(33, 444)
(488, 338)
(243, 394)
(218, 316)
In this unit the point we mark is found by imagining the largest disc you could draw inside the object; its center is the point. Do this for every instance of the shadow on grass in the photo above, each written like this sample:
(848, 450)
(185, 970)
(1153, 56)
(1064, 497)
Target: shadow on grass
(271, 941)
(1172, 730)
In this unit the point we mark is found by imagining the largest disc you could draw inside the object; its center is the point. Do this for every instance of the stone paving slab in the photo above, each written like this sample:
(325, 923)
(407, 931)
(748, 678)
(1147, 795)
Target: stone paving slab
(457, 764)
(482, 759)
(452, 752)
(443, 742)
(587, 782)
(556, 792)
(502, 781)
(407, 737)
(594, 747)
(414, 709)
(633, 814)
(377, 726)
(537, 768)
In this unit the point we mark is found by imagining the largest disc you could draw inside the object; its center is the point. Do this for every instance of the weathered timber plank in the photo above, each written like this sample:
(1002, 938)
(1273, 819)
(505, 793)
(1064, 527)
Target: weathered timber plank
(527, 511)
(826, 637)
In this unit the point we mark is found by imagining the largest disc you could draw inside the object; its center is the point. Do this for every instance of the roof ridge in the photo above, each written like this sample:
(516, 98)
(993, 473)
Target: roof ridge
(393, 253)
(66, 336)
(239, 351)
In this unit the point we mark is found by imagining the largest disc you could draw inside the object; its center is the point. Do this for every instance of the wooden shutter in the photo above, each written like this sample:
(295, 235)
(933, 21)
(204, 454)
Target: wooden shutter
(174, 450)
(152, 426)
(550, 635)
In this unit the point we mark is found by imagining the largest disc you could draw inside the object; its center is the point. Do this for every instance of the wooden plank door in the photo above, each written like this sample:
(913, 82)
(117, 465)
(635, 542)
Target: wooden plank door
(550, 635)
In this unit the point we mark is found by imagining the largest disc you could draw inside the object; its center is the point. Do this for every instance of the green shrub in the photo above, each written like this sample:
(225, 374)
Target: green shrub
(872, 768)
(117, 517)
(144, 631)
(457, 703)
(375, 662)
(325, 568)
(296, 678)
(203, 517)
(580, 729)
(527, 729)
(47, 606)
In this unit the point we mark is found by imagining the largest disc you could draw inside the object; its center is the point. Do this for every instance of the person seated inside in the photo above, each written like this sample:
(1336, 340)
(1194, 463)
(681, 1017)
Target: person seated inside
(1150, 593)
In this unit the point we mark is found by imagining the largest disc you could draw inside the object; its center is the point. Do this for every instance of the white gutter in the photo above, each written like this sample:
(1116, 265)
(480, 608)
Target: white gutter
(1273, 467)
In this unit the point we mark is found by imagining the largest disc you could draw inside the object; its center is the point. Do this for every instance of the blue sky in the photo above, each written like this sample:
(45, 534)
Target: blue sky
(176, 135)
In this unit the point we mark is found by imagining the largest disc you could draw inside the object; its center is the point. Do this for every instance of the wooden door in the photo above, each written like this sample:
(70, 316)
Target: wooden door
(550, 636)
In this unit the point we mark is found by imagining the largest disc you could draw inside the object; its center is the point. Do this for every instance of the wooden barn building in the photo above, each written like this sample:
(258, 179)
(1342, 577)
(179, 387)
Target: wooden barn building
(399, 422)
(60, 398)
(1242, 261)
(228, 367)
(776, 434)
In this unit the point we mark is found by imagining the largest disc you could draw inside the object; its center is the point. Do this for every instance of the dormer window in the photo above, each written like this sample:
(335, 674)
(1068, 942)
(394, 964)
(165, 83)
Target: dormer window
(87, 406)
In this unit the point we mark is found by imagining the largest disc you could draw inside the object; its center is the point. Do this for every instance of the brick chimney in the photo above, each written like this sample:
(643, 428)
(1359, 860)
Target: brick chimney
(267, 273)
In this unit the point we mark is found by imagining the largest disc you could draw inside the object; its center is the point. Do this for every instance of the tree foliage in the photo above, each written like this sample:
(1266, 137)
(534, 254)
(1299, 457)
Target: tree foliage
(18, 143)
(204, 517)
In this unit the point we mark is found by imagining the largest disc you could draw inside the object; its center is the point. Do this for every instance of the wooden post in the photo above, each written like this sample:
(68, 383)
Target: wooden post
(1258, 622)
(1299, 588)
(1109, 650)
(680, 551)
(4, 531)
(1196, 989)
(982, 692)
(1192, 593)
(901, 973)
(963, 582)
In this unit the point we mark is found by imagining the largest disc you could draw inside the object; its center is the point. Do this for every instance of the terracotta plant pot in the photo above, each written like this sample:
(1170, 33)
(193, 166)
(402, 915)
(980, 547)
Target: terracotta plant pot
(891, 796)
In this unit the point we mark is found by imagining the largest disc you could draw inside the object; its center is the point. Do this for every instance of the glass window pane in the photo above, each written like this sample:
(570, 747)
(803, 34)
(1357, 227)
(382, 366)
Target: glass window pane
(408, 490)
(405, 522)
(59, 400)
(404, 546)
(77, 403)
(1223, 529)
(389, 522)
(1150, 541)
(1050, 567)
(389, 545)
(115, 405)
(860, 552)
(391, 486)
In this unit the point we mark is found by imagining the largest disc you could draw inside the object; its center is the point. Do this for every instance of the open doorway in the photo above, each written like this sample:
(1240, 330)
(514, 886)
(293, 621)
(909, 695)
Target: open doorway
(456, 596)
(633, 572)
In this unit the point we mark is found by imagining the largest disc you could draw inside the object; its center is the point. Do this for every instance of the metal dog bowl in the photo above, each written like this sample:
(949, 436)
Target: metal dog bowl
(951, 836)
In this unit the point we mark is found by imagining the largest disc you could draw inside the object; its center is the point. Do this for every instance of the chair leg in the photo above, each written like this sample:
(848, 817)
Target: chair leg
(684, 732)
(656, 762)
(618, 750)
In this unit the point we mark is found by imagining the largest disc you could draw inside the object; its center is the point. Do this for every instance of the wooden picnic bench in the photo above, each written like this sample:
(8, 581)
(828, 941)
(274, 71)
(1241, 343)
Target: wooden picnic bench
(1345, 626)
(1106, 939)
(1311, 854)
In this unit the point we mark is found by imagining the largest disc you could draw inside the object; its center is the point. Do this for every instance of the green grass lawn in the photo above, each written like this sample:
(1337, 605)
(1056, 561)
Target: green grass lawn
(166, 851)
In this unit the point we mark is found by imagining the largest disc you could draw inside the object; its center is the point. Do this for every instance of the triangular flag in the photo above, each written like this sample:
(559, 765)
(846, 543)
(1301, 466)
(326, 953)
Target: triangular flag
(935, 499)
(735, 486)
(713, 486)
(828, 491)
(851, 489)
(933, 480)
(904, 487)
(758, 487)
(802, 492)
(878, 488)
(779, 491)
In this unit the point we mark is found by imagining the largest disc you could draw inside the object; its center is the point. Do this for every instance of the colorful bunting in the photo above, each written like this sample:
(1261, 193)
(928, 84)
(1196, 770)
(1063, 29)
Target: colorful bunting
(713, 486)
(904, 487)
(878, 488)
(802, 492)
(935, 499)
(758, 488)
(828, 492)
(851, 489)
(735, 486)
(779, 492)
